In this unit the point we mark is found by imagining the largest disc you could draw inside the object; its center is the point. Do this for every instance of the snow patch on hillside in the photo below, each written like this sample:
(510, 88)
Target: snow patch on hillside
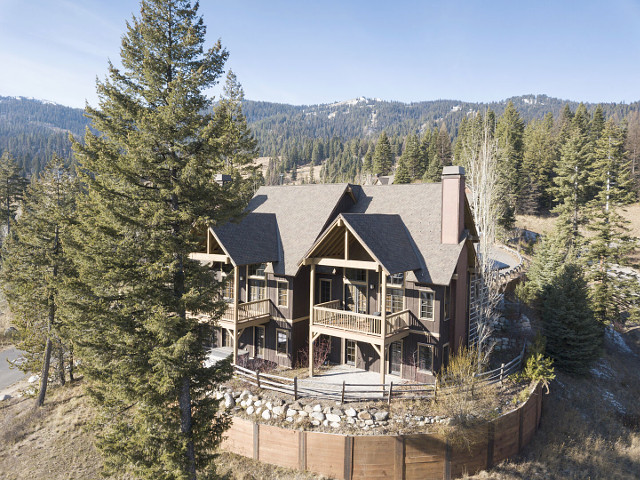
(615, 339)
(348, 103)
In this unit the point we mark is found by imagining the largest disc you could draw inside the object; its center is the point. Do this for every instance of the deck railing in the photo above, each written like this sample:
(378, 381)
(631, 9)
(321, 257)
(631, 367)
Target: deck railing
(248, 311)
(330, 314)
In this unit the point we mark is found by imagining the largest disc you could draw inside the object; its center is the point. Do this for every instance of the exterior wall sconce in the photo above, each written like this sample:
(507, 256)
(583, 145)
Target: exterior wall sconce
(371, 286)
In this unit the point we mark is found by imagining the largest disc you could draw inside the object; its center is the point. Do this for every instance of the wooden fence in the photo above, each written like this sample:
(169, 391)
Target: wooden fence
(347, 392)
(402, 457)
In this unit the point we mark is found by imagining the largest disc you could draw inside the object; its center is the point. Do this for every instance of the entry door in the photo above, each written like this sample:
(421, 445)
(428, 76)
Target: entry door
(395, 358)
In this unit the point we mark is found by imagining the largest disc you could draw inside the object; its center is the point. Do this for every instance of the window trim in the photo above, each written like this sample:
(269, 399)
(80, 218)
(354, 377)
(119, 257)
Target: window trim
(401, 342)
(286, 296)
(404, 299)
(355, 352)
(256, 353)
(432, 348)
(326, 280)
(389, 278)
(433, 304)
(286, 343)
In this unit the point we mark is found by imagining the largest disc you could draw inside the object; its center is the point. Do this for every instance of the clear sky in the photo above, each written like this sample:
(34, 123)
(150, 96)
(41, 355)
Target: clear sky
(306, 52)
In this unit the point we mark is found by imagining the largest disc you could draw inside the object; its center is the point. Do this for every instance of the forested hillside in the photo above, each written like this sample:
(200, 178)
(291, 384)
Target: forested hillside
(33, 130)
(341, 136)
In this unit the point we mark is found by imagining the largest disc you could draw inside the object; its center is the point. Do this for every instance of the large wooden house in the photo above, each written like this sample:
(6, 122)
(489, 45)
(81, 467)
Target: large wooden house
(380, 274)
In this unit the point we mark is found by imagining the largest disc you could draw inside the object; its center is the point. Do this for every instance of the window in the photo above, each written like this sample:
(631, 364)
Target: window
(257, 270)
(259, 341)
(445, 355)
(426, 305)
(356, 275)
(228, 288)
(355, 298)
(282, 340)
(283, 294)
(447, 299)
(396, 279)
(350, 352)
(425, 357)
(395, 300)
(325, 290)
(257, 290)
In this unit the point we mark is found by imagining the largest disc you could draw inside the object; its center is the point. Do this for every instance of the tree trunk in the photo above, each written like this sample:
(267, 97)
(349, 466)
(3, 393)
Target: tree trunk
(184, 401)
(60, 353)
(71, 364)
(44, 375)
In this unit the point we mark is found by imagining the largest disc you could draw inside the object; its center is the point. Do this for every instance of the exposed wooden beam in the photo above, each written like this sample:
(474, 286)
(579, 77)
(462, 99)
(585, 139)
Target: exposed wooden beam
(210, 257)
(236, 301)
(312, 290)
(339, 262)
(337, 332)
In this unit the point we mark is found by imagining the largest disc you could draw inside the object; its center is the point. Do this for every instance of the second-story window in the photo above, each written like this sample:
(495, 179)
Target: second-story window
(396, 280)
(426, 305)
(257, 283)
(283, 293)
(395, 300)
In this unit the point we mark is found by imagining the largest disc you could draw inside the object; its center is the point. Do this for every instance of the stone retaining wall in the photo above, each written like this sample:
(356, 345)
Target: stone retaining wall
(420, 456)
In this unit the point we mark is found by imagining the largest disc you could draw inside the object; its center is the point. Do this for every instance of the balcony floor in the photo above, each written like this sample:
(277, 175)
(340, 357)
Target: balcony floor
(336, 374)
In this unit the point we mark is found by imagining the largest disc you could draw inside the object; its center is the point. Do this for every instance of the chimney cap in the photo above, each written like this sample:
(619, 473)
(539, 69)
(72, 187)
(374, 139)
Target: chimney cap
(453, 170)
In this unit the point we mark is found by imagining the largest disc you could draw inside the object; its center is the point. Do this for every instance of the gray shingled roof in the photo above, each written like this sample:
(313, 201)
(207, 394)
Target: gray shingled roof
(252, 240)
(302, 212)
(420, 207)
(393, 249)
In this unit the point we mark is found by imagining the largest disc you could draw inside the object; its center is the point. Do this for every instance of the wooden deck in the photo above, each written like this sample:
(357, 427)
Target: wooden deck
(343, 323)
(249, 314)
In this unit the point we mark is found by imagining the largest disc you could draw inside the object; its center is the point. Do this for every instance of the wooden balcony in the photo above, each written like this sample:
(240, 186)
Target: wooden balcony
(250, 314)
(331, 319)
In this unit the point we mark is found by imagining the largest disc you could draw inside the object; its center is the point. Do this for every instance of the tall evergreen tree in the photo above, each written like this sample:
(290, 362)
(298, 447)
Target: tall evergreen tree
(509, 133)
(412, 158)
(382, 156)
(574, 336)
(35, 264)
(539, 160)
(149, 172)
(610, 244)
(12, 186)
(402, 172)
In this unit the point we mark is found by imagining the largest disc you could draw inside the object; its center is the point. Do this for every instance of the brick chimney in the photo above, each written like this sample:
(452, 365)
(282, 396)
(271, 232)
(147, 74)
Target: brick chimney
(452, 204)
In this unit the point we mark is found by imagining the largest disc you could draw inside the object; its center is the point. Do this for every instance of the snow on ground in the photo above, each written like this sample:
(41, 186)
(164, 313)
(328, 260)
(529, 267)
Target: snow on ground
(602, 369)
(615, 339)
(611, 399)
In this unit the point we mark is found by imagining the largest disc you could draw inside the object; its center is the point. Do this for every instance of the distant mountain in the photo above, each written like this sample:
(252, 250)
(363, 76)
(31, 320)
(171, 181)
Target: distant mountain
(274, 123)
(32, 130)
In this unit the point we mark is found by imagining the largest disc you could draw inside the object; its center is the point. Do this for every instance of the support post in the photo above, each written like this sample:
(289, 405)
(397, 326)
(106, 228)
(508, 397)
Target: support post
(383, 327)
(390, 393)
(236, 293)
(501, 373)
(312, 289)
(295, 388)
(344, 384)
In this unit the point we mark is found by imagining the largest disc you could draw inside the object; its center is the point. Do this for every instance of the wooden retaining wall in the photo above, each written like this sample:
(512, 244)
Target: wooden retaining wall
(418, 456)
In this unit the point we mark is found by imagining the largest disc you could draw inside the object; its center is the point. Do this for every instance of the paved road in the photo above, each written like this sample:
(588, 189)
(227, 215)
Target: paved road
(9, 376)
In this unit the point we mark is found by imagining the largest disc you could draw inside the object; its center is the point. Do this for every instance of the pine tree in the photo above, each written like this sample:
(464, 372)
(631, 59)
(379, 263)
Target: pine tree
(382, 156)
(539, 159)
(574, 336)
(149, 172)
(12, 186)
(509, 133)
(443, 147)
(402, 172)
(572, 180)
(367, 163)
(412, 158)
(610, 244)
(35, 265)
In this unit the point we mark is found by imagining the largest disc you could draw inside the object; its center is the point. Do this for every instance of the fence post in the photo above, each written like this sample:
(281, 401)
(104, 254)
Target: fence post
(435, 390)
(501, 373)
(258, 378)
(295, 388)
(342, 397)
(390, 390)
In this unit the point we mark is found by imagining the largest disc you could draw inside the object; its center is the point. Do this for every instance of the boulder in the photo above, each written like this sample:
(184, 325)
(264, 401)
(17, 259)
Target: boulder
(266, 414)
(229, 401)
(351, 412)
(250, 410)
(297, 406)
(317, 408)
(277, 411)
(291, 412)
(333, 418)
(381, 416)
(364, 415)
(4, 397)
(302, 413)
(318, 416)
(308, 408)
(335, 424)
(33, 379)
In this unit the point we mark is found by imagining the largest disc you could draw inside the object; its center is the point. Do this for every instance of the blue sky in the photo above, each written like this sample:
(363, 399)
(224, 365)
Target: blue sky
(306, 52)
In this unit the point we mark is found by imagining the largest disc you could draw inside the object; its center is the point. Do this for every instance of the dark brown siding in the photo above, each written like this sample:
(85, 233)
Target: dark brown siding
(300, 296)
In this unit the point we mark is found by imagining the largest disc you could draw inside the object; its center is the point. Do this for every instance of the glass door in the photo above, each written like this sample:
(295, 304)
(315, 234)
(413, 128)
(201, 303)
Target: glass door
(395, 358)
(350, 352)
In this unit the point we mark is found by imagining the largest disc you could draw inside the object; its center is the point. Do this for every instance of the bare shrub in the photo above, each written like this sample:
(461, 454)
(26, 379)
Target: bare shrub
(321, 352)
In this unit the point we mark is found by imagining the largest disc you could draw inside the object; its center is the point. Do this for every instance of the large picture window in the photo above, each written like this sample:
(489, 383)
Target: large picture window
(425, 357)
(257, 290)
(325, 290)
(426, 305)
(355, 297)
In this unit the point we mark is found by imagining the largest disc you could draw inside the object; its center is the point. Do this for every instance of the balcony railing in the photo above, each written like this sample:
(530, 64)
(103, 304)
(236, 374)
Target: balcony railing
(248, 311)
(329, 314)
